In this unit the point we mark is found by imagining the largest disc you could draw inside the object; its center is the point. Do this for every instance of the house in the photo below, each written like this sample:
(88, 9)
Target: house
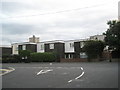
(70, 50)
(98, 37)
(56, 46)
(30, 45)
(74, 51)
(5, 50)
(23, 46)
(66, 51)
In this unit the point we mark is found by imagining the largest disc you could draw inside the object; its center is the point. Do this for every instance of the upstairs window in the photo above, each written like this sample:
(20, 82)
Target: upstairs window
(71, 45)
(42, 47)
(16, 48)
(24, 47)
(51, 46)
(82, 44)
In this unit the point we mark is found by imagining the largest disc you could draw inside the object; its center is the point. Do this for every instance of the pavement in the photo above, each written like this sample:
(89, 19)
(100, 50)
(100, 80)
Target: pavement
(61, 75)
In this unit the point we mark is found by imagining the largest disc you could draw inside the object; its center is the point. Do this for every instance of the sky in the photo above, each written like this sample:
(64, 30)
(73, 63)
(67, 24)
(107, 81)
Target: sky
(54, 19)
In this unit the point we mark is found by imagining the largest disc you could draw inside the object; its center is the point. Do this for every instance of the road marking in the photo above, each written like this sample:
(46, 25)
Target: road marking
(59, 67)
(39, 72)
(6, 71)
(53, 67)
(69, 81)
(80, 75)
(44, 71)
(81, 68)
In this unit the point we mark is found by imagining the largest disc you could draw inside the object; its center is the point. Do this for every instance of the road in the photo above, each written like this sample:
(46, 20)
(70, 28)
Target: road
(62, 75)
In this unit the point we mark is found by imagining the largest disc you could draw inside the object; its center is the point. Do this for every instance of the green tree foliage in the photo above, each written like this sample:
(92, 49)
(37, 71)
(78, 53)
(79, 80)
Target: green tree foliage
(93, 49)
(113, 35)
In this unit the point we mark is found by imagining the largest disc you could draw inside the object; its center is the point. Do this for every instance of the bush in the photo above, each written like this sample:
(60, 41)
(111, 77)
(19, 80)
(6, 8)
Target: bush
(43, 57)
(24, 56)
(10, 59)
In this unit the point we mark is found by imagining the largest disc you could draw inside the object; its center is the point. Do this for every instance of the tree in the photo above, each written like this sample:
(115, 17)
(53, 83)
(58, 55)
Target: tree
(113, 35)
(94, 49)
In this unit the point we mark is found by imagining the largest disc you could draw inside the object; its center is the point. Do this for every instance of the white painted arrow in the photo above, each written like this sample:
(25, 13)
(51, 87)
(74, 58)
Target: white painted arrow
(44, 71)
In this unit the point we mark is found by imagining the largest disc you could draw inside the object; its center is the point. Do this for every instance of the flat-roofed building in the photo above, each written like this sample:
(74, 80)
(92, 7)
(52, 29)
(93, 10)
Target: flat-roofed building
(5, 50)
(98, 37)
(23, 46)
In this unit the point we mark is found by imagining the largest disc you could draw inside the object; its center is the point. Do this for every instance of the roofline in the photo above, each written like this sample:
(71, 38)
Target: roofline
(24, 43)
(53, 41)
(63, 41)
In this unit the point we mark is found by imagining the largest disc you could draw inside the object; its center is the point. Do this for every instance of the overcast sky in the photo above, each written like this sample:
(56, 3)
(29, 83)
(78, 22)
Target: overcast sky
(54, 19)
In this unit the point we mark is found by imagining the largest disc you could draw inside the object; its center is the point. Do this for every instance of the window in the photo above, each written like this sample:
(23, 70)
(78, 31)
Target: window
(24, 47)
(51, 46)
(81, 44)
(68, 56)
(16, 48)
(71, 56)
(71, 45)
(42, 47)
(83, 55)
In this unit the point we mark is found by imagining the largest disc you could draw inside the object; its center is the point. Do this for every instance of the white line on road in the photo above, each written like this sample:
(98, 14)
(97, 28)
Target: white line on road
(39, 72)
(69, 81)
(80, 75)
(44, 71)
(81, 68)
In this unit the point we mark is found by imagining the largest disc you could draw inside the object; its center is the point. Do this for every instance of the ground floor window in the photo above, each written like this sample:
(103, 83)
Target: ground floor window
(83, 55)
(69, 56)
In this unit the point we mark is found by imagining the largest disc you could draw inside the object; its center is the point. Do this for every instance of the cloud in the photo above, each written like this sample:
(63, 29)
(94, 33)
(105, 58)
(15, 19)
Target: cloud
(23, 18)
(16, 29)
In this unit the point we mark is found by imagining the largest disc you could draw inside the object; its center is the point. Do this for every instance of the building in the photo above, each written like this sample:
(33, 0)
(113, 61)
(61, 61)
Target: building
(97, 37)
(119, 10)
(56, 46)
(5, 50)
(15, 48)
(70, 50)
(28, 46)
(34, 39)
(23, 46)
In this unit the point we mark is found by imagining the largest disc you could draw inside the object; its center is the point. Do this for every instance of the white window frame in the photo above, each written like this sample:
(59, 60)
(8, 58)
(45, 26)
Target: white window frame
(82, 44)
(42, 47)
(23, 47)
(16, 48)
(71, 45)
(51, 46)
(83, 54)
(70, 56)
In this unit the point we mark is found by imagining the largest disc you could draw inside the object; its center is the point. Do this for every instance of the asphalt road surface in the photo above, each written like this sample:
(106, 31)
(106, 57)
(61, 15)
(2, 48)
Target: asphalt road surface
(61, 75)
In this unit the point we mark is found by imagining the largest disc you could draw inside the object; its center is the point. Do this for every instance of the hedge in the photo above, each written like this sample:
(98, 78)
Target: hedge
(31, 57)
(10, 59)
(43, 57)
